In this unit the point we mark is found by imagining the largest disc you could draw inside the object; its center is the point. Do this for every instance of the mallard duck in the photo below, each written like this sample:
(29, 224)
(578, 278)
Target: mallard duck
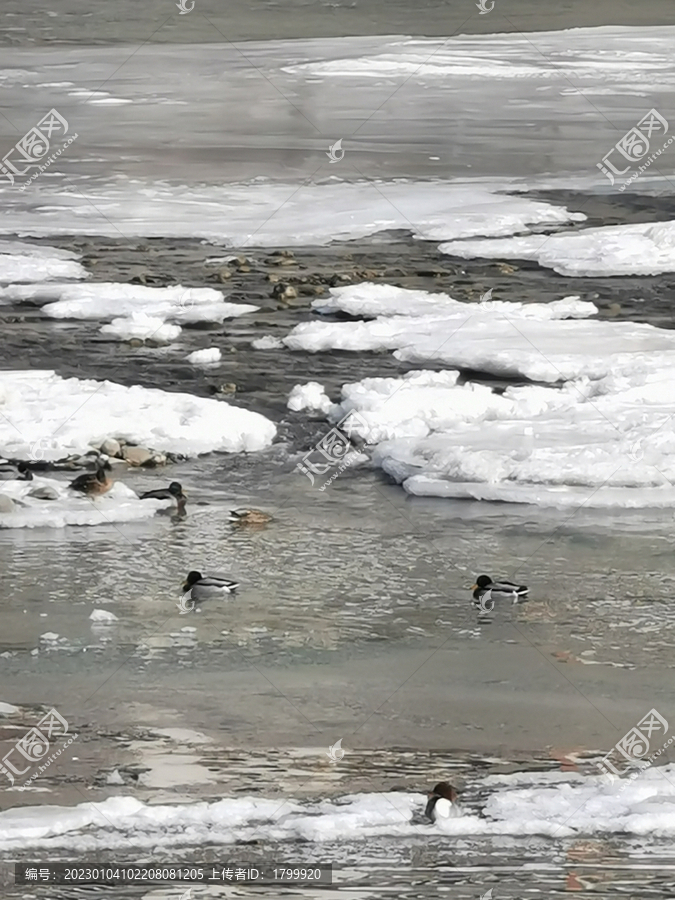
(249, 517)
(442, 802)
(174, 492)
(93, 483)
(498, 589)
(208, 587)
(15, 473)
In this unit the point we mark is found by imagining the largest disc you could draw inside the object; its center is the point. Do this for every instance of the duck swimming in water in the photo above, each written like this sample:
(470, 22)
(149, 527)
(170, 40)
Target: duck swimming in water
(249, 517)
(498, 589)
(174, 492)
(442, 802)
(208, 587)
(93, 484)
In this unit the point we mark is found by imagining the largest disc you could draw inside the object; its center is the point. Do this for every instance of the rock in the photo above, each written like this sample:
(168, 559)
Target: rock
(272, 278)
(284, 291)
(137, 456)
(114, 778)
(224, 274)
(228, 388)
(7, 709)
(288, 254)
(44, 492)
(6, 504)
(287, 262)
(243, 268)
(240, 261)
(111, 447)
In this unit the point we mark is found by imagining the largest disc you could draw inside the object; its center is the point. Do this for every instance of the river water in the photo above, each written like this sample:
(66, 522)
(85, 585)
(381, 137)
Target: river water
(353, 622)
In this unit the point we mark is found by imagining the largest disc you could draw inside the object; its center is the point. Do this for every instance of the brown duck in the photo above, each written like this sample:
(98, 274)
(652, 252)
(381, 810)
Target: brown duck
(93, 483)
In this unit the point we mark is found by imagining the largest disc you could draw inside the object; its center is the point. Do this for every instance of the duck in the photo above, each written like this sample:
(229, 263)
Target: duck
(208, 587)
(249, 517)
(15, 473)
(174, 492)
(498, 589)
(93, 484)
(442, 802)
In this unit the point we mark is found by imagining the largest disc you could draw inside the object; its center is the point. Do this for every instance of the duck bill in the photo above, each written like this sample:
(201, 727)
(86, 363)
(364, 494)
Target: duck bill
(474, 587)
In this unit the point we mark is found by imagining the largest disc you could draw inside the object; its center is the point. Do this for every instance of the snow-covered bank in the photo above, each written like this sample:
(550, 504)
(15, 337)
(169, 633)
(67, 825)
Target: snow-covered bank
(65, 415)
(644, 249)
(606, 437)
(23, 262)
(67, 507)
(554, 804)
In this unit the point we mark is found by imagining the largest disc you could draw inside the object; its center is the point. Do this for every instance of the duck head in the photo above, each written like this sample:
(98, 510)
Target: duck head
(176, 488)
(442, 790)
(482, 581)
(192, 578)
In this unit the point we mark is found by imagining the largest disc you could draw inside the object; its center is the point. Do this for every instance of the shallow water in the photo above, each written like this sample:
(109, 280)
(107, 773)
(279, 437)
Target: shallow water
(354, 620)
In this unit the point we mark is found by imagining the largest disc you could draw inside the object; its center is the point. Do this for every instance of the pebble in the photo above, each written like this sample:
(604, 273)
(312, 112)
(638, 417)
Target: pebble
(284, 291)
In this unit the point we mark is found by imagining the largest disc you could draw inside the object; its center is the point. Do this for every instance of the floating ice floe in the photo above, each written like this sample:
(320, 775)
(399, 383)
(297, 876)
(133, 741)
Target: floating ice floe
(103, 616)
(509, 339)
(120, 504)
(206, 357)
(233, 212)
(644, 249)
(267, 342)
(309, 396)
(109, 300)
(605, 438)
(23, 262)
(142, 327)
(553, 804)
(38, 406)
